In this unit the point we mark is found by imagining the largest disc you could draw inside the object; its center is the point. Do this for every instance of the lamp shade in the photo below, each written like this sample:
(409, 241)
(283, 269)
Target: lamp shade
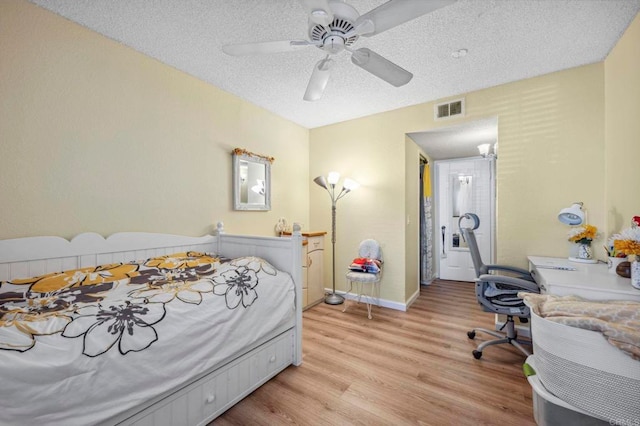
(333, 178)
(320, 180)
(350, 184)
(573, 215)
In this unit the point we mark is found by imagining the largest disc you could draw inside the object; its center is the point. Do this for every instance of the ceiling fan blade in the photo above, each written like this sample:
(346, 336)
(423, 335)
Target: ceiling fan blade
(396, 12)
(319, 11)
(260, 48)
(381, 67)
(319, 79)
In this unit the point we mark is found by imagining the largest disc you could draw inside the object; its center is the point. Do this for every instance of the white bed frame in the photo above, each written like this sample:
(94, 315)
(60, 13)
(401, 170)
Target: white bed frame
(199, 400)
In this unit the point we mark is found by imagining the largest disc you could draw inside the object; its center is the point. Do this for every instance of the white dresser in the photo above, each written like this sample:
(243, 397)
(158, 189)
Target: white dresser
(312, 268)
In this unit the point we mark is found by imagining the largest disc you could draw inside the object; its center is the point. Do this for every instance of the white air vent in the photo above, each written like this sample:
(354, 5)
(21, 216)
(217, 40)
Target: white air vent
(449, 109)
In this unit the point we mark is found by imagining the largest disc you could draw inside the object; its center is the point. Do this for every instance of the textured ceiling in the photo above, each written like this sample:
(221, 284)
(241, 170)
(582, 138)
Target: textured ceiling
(459, 141)
(507, 40)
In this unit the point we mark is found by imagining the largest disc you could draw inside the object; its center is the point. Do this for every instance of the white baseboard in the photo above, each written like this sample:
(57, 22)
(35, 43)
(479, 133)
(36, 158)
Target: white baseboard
(383, 302)
(413, 297)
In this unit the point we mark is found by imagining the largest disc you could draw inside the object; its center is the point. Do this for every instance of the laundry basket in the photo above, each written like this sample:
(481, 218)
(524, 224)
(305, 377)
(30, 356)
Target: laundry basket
(582, 369)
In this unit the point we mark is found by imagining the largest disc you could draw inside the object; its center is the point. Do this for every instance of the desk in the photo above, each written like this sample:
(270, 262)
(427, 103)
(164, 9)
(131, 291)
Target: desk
(589, 280)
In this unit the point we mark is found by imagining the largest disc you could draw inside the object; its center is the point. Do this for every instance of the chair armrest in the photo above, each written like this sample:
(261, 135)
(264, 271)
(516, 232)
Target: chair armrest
(525, 274)
(512, 281)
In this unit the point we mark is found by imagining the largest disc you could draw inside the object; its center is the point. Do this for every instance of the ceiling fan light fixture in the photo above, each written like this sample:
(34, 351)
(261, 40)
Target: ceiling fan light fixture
(319, 80)
(334, 26)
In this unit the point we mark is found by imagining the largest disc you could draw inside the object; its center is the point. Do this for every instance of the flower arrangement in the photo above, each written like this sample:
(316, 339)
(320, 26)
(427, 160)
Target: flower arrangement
(611, 249)
(583, 234)
(628, 241)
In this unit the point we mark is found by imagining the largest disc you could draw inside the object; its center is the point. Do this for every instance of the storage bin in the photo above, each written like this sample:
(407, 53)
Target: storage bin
(580, 368)
(551, 411)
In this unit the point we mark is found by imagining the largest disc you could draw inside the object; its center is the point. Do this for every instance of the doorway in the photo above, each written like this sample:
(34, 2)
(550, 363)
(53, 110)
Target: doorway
(458, 143)
(464, 186)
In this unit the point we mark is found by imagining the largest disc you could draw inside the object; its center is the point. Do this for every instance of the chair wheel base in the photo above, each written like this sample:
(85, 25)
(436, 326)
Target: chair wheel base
(477, 354)
(471, 334)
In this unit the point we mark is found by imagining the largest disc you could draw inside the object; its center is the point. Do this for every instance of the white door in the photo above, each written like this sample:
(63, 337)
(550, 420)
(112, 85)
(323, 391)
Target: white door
(463, 186)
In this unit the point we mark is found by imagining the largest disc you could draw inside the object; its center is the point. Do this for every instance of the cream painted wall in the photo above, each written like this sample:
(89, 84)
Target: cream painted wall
(564, 137)
(98, 137)
(551, 137)
(412, 212)
(622, 129)
(551, 133)
(370, 151)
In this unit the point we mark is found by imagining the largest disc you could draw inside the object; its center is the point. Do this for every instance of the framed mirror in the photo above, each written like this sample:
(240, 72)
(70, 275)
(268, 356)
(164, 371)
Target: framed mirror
(251, 181)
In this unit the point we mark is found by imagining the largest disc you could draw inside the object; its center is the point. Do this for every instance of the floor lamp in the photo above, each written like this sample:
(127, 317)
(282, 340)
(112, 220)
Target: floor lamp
(330, 185)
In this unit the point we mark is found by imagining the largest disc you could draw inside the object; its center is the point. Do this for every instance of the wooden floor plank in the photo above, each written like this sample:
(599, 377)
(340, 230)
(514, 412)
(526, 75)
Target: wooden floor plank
(400, 368)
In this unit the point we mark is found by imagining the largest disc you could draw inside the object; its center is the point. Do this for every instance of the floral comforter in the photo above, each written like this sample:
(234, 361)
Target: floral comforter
(80, 346)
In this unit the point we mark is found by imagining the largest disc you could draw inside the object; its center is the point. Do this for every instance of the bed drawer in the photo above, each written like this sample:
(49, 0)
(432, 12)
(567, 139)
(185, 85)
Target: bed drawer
(246, 375)
(210, 396)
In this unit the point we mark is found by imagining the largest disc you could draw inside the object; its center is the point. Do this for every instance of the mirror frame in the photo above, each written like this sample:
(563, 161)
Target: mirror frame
(243, 155)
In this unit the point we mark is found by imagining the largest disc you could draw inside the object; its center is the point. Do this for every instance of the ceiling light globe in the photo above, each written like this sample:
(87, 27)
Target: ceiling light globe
(484, 149)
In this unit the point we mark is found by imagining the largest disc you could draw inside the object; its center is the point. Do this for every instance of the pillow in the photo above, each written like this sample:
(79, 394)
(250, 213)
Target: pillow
(363, 264)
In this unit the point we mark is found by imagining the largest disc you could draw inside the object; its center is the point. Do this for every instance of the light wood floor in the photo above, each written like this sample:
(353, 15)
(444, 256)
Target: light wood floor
(399, 368)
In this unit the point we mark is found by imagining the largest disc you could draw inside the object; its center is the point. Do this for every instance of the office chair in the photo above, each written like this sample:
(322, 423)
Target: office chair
(497, 293)
(368, 249)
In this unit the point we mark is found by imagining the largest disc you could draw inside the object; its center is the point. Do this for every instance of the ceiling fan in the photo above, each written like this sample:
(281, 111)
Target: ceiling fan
(334, 26)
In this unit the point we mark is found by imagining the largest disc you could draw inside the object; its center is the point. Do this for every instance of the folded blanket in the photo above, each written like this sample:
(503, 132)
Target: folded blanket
(618, 321)
(363, 264)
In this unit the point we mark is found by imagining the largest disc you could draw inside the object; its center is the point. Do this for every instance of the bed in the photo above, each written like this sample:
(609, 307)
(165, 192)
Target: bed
(144, 329)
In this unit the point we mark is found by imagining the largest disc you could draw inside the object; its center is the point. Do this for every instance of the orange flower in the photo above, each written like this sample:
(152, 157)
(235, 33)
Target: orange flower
(190, 259)
(628, 247)
(583, 234)
(628, 241)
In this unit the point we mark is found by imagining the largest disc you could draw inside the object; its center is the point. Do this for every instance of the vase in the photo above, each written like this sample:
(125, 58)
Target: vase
(635, 272)
(613, 262)
(585, 252)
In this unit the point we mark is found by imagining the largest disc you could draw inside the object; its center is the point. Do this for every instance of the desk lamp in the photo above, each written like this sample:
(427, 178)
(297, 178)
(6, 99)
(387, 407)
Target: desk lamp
(573, 215)
(576, 216)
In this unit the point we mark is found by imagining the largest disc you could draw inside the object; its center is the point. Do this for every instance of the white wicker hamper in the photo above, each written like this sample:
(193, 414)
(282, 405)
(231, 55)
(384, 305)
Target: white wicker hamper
(582, 369)
(549, 410)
